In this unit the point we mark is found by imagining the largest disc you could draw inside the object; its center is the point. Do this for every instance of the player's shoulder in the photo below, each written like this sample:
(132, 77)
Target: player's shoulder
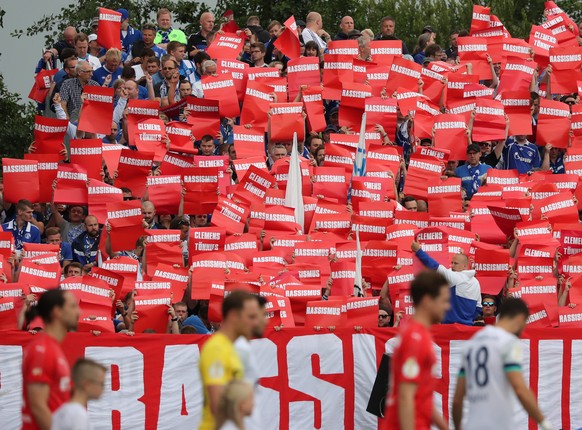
(413, 333)
(217, 344)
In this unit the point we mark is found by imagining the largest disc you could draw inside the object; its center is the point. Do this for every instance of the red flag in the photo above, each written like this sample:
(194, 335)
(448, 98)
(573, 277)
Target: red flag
(87, 153)
(553, 123)
(97, 112)
(21, 180)
(288, 43)
(225, 45)
(108, 29)
(49, 134)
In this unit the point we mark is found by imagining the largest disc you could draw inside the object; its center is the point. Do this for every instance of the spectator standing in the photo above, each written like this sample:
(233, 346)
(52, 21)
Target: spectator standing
(45, 369)
(111, 67)
(166, 33)
(453, 51)
(410, 401)
(72, 89)
(519, 153)
(68, 40)
(387, 32)
(313, 30)
(219, 361)
(148, 35)
(53, 237)
(258, 52)
(148, 212)
(197, 42)
(465, 288)
(86, 245)
(82, 51)
(473, 173)
(88, 380)
(22, 227)
(346, 25)
(128, 35)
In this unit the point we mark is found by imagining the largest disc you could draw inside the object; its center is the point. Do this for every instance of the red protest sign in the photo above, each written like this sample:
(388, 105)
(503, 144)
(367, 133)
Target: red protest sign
(203, 116)
(238, 71)
(48, 164)
(336, 70)
(133, 169)
(278, 85)
(254, 185)
(87, 153)
(42, 84)
(125, 219)
(206, 239)
(505, 218)
(541, 40)
(256, 106)
(114, 280)
(150, 137)
(474, 50)
(44, 274)
(422, 171)
(71, 185)
(481, 18)
(97, 112)
(201, 185)
(566, 62)
(176, 276)
(230, 215)
(163, 247)
(330, 182)
(111, 153)
(557, 208)
(553, 123)
(139, 110)
(286, 120)
(517, 107)
(450, 133)
(249, 142)
(489, 123)
(288, 43)
(152, 312)
(181, 137)
(302, 71)
(173, 163)
(313, 102)
(225, 45)
(98, 195)
(165, 192)
(492, 266)
(21, 180)
(241, 166)
(223, 89)
(403, 73)
(49, 134)
(384, 51)
(109, 28)
(444, 197)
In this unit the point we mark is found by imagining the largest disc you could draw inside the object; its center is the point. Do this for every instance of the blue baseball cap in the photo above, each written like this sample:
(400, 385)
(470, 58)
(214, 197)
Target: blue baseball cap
(124, 14)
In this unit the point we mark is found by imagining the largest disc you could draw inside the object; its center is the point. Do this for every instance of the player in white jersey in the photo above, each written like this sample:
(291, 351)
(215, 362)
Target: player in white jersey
(491, 372)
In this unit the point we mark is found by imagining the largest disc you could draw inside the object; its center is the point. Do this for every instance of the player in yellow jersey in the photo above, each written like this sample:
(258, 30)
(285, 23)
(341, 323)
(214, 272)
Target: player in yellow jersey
(219, 361)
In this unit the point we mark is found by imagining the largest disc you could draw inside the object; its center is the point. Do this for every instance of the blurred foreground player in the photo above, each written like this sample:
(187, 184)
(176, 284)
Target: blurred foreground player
(491, 372)
(410, 403)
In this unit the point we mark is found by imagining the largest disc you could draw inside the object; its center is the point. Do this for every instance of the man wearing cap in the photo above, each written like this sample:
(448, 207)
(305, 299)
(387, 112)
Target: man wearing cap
(129, 35)
(472, 173)
(346, 25)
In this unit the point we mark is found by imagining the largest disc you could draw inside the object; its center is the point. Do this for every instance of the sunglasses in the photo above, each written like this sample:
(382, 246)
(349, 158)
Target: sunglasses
(382, 316)
(488, 303)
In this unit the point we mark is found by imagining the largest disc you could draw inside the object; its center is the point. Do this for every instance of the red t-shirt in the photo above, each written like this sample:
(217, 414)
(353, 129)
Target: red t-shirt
(45, 363)
(413, 361)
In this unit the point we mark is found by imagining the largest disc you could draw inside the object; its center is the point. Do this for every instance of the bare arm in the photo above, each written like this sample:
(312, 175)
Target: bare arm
(214, 394)
(406, 419)
(438, 420)
(37, 396)
(525, 396)
(458, 403)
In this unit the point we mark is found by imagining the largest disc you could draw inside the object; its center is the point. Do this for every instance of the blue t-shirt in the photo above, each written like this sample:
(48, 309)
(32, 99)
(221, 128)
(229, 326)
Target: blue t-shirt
(467, 173)
(524, 157)
(27, 234)
(101, 73)
(66, 252)
(132, 36)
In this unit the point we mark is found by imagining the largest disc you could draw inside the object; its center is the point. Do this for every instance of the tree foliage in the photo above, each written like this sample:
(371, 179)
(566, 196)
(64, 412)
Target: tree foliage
(411, 15)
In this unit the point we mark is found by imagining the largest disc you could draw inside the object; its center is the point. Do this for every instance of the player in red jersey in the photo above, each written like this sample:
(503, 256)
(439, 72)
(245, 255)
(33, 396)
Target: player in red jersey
(45, 369)
(410, 404)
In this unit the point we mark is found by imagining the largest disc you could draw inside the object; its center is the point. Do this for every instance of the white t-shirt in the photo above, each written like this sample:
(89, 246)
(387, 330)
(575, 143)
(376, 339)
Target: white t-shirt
(228, 425)
(487, 357)
(71, 416)
(308, 35)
